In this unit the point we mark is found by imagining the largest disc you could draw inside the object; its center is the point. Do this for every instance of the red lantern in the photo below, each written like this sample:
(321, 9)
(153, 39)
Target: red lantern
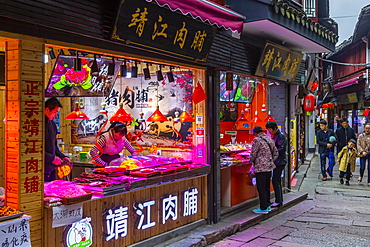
(366, 112)
(309, 102)
(325, 106)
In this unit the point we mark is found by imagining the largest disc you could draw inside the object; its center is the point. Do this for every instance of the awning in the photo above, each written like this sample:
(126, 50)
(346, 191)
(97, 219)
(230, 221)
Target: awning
(345, 83)
(206, 11)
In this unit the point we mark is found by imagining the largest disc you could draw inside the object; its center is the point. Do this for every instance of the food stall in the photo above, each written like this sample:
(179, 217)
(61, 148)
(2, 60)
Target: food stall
(243, 106)
(166, 191)
(162, 187)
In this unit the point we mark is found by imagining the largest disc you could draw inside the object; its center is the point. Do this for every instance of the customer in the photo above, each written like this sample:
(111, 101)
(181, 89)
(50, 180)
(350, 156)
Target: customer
(334, 124)
(53, 156)
(263, 155)
(110, 144)
(344, 134)
(347, 160)
(326, 140)
(363, 147)
(280, 144)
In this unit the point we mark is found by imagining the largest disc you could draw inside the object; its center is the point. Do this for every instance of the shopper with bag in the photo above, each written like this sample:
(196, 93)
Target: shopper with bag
(263, 155)
(280, 144)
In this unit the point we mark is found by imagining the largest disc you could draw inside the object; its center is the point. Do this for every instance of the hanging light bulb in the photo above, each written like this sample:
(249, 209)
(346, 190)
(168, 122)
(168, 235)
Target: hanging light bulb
(269, 118)
(157, 116)
(256, 118)
(134, 70)
(77, 63)
(76, 114)
(121, 115)
(103, 105)
(94, 66)
(159, 74)
(170, 75)
(146, 72)
(124, 69)
(242, 118)
(51, 53)
(111, 67)
(185, 117)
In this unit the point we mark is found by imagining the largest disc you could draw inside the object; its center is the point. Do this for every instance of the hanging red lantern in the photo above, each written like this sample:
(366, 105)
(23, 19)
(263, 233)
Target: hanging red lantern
(366, 112)
(309, 102)
(314, 86)
(325, 106)
(330, 104)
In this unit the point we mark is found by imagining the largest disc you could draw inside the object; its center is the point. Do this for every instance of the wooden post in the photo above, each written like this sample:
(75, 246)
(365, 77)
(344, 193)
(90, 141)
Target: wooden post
(24, 131)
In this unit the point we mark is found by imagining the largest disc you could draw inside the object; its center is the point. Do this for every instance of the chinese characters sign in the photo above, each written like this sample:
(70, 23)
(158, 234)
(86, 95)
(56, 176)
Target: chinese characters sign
(144, 215)
(149, 25)
(66, 214)
(15, 233)
(279, 63)
(31, 133)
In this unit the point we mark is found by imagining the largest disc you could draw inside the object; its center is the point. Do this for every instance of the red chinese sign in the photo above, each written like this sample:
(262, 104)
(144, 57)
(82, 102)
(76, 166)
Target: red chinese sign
(31, 120)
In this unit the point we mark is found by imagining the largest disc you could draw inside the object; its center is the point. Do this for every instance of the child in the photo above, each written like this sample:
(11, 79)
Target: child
(347, 160)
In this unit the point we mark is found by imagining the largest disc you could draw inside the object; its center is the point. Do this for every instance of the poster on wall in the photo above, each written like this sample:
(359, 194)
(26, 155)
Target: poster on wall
(246, 89)
(228, 95)
(140, 98)
(67, 81)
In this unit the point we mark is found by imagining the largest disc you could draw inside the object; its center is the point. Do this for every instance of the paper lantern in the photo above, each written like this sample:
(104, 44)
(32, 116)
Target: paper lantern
(309, 102)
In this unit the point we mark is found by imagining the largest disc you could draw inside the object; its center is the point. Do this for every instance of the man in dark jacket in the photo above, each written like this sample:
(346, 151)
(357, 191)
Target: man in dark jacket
(53, 156)
(344, 134)
(335, 123)
(326, 139)
(280, 144)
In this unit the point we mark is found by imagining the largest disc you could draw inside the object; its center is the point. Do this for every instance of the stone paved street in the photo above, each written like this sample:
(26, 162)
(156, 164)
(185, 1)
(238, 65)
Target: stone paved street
(333, 215)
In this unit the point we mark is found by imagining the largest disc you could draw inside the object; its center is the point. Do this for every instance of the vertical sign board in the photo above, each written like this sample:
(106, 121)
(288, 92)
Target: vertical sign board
(24, 129)
(279, 63)
(148, 25)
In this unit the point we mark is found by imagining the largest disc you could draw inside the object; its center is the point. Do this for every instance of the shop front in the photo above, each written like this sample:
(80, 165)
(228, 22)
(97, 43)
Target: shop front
(253, 90)
(158, 94)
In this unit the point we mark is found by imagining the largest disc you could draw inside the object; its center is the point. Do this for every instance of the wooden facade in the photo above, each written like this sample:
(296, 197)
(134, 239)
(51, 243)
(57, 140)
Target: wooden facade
(95, 209)
(24, 108)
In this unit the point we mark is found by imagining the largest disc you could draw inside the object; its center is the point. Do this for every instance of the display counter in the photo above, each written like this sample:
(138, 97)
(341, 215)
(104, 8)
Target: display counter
(131, 200)
(236, 185)
(132, 216)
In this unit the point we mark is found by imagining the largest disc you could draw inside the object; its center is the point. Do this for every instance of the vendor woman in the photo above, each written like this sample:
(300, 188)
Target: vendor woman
(110, 144)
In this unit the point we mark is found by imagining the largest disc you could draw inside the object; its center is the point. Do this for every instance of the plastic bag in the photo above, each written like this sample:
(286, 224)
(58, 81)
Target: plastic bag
(251, 172)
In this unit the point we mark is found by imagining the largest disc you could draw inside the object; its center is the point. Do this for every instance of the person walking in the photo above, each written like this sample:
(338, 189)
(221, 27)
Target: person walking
(363, 147)
(280, 144)
(262, 156)
(334, 124)
(344, 134)
(326, 139)
(347, 161)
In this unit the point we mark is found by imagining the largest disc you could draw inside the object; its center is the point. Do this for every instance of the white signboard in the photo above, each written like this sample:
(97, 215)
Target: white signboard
(15, 232)
(66, 214)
